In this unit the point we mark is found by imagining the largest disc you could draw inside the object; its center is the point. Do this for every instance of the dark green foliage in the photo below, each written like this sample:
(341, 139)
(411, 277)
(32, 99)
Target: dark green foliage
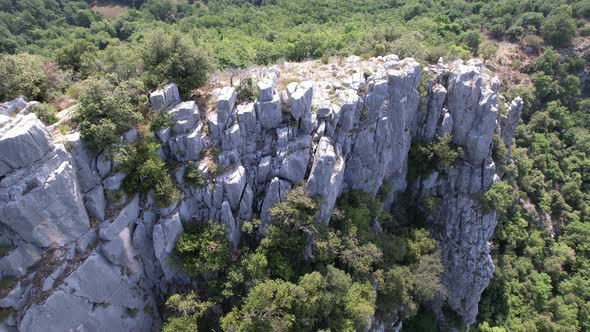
(160, 120)
(294, 228)
(499, 197)
(559, 27)
(193, 176)
(33, 76)
(247, 90)
(276, 305)
(172, 57)
(440, 154)
(472, 40)
(46, 113)
(105, 112)
(146, 172)
(204, 250)
(70, 57)
(499, 149)
(186, 310)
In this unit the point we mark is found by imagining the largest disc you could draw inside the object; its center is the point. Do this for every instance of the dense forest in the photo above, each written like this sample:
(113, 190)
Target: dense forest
(62, 52)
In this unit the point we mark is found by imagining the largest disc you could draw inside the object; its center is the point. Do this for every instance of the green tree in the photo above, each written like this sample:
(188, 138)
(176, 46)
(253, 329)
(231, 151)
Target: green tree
(204, 250)
(472, 39)
(172, 57)
(70, 57)
(499, 197)
(33, 76)
(105, 112)
(559, 27)
(187, 309)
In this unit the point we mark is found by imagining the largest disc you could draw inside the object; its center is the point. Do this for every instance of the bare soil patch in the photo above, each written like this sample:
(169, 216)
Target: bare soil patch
(109, 9)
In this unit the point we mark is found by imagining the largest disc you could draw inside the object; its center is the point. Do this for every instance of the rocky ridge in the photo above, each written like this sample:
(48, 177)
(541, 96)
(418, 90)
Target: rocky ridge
(80, 254)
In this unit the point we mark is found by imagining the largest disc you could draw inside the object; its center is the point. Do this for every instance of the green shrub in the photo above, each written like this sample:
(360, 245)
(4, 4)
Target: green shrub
(188, 309)
(33, 76)
(193, 176)
(439, 154)
(559, 27)
(499, 197)
(534, 42)
(472, 39)
(46, 113)
(499, 149)
(146, 172)
(160, 120)
(203, 250)
(105, 112)
(247, 90)
(172, 57)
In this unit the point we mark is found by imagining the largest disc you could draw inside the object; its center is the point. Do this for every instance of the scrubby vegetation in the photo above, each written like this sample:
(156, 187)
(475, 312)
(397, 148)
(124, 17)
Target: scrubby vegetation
(302, 275)
(146, 172)
(541, 278)
(440, 154)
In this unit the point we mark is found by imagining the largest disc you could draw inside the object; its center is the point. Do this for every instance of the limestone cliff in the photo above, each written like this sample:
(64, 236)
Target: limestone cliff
(82, 256)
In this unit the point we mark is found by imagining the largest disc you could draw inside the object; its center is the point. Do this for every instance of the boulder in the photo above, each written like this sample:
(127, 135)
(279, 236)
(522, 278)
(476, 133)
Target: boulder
(23, 142)
(44, 206)
(19, 260)
(226, 101)
(234, 183)
(96, 203)
(294, 165)
(13, 106)
(269, 112)
(165, 234)
(247, 119)
(232, 228)
(127, 215)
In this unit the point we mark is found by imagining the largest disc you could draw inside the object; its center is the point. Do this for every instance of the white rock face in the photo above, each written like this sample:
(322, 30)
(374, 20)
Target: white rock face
(22, 142)
(40, 197)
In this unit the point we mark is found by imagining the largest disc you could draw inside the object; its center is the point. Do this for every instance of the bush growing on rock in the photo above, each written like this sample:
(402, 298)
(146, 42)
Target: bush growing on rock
(499, 197)
(193, 176)
(204, 250)
(247, 90)
(105, 112)
(146, 172)
(439, 154)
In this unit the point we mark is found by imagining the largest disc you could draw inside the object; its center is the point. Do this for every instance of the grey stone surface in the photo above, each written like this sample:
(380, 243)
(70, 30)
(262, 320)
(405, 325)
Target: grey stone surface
(42, 203)
(165, 234)
(22, 142)
(269, 112)
(226, 101)
(128, 214)
(232, 228)
(13, 106)
(19, 260)
(234, 183)
(509, 122)
(96, 203)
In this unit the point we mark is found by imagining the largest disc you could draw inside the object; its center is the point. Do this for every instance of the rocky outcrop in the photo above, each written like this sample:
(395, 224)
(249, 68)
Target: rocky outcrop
(67, 270)
(64, 216)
